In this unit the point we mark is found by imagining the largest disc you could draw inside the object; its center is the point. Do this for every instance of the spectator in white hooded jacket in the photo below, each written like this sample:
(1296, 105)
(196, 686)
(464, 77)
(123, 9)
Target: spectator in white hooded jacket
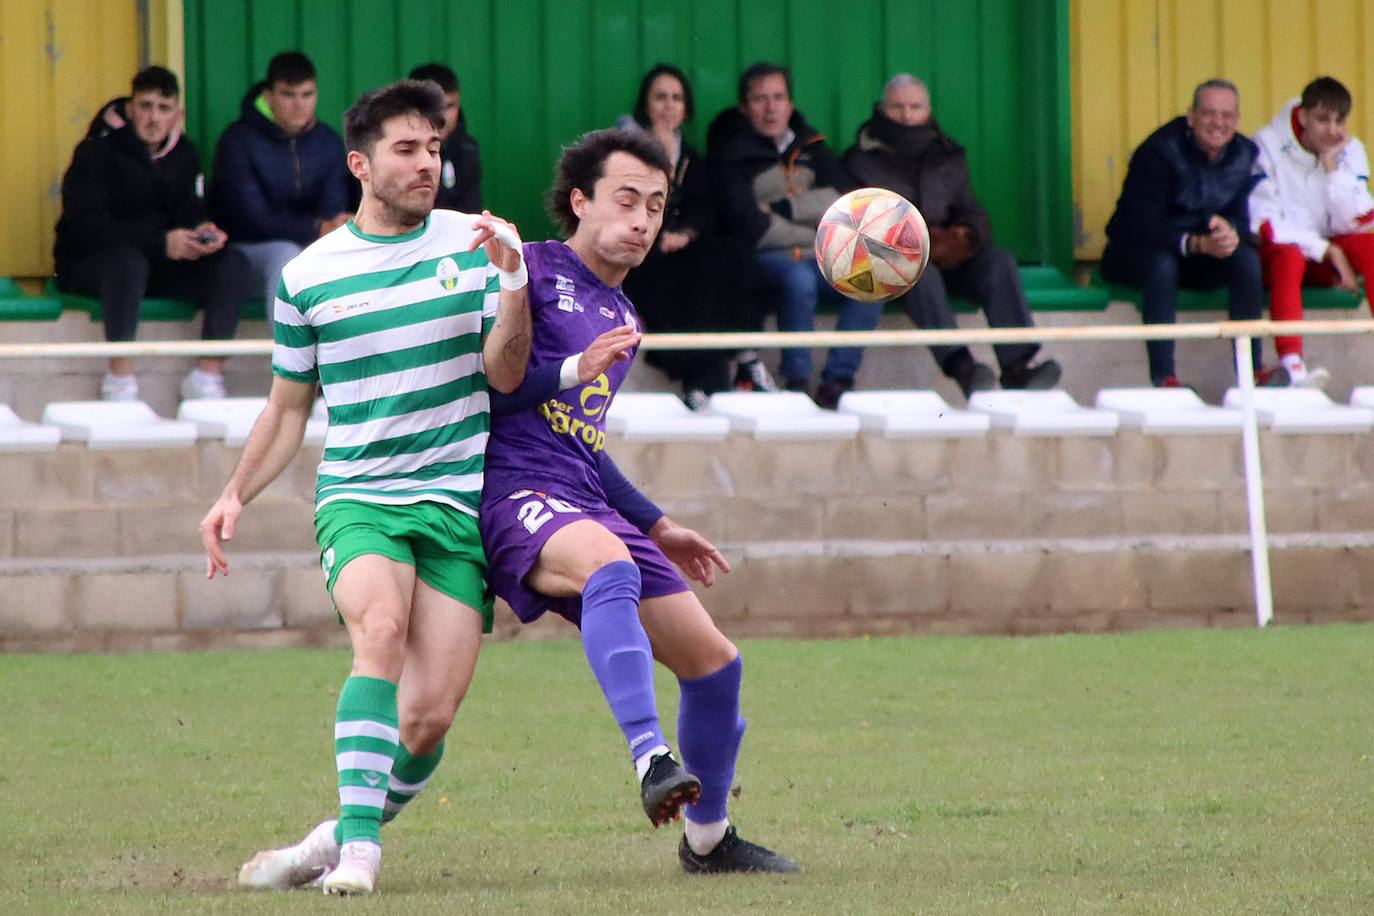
(1311, 209)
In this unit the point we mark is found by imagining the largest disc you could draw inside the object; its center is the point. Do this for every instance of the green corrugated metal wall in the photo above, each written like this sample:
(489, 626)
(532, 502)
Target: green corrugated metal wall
(535, 73)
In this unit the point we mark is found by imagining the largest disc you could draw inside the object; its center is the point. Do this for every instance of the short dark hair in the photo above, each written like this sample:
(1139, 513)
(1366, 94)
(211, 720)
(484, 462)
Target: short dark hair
(289, 67)
(363, 123)
(582, 164)
(641, 112)
(436, 73)
(1329, 93)
(155, 79)
(758, 71)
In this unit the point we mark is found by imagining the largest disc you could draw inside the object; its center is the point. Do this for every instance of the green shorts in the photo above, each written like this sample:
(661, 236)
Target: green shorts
(441, 542)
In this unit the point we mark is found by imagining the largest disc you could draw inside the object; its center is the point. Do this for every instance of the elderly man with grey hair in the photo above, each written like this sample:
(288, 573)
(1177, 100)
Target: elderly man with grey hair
(903, 148)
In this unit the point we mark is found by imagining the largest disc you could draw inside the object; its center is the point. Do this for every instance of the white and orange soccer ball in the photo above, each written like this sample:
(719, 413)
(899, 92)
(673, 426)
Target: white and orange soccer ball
(872, 245)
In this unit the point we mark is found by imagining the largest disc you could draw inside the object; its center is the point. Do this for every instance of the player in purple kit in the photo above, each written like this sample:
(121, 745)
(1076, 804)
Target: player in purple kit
(565, 531)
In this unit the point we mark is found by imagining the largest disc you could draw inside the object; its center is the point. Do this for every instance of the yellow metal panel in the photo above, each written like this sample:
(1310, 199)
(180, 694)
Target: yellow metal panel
(1135, 64)
(69, 56)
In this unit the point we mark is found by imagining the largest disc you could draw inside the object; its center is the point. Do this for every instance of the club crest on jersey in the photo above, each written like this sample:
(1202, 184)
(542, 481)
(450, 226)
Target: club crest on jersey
(606, 313)
(447, 272)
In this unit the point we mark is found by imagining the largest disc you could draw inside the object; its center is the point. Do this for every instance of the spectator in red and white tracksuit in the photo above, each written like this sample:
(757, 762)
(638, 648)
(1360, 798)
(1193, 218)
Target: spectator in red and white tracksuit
(1311, 209)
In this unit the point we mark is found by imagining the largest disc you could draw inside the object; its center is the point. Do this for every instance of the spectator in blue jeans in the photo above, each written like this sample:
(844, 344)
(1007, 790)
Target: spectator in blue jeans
(1183, 220)
(776, 177)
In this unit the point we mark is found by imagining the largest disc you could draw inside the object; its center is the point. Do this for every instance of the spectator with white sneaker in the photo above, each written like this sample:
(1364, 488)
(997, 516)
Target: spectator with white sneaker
(1311, 209)
(134, 224)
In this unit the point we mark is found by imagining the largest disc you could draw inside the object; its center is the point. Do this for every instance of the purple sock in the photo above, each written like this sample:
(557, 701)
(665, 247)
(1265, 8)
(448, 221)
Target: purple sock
(618, 650)
(709, 731)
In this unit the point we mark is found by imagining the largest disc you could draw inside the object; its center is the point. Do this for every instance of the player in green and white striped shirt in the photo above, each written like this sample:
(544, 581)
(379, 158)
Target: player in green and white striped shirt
(401, 319)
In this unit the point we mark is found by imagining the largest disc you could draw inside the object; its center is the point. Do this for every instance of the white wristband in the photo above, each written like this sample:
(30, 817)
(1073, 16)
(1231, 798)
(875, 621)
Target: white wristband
(568, 376)
(513, 279)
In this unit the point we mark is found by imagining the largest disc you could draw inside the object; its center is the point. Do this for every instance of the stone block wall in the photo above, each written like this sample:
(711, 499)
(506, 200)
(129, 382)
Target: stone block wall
(99, 550)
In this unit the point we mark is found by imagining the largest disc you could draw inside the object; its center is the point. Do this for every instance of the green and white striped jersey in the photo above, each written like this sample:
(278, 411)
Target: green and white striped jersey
(391, 328)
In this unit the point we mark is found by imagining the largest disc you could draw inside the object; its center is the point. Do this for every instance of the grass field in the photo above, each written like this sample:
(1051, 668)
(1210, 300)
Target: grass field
(1194, 772)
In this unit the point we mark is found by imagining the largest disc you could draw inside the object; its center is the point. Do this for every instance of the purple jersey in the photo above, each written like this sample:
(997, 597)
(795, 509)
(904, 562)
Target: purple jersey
(553, 447)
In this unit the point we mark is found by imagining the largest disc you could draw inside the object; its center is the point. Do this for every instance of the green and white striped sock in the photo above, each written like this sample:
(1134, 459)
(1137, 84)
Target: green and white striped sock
(366, 738)
(409, 775)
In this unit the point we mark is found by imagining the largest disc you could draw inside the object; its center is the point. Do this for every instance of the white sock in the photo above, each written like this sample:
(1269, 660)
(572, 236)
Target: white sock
(201, 375)
(643, 760)
(704, 837)
(1294, 365)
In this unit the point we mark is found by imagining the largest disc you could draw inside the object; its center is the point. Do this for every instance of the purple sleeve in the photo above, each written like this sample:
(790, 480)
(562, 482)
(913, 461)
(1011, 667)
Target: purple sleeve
(622, 496)
(540, 384)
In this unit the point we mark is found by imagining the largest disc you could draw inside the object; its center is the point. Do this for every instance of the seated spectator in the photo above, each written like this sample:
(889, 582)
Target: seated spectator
(281, 177)
(1311, 209)
(694, 279)
(133, 223)
(776, 178)
(1182, 220)
(460, 176)
(902, 148)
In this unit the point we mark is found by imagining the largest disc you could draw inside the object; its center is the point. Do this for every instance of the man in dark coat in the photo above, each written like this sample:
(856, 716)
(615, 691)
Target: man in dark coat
(775, 178)
(281, 177)
(134, 222)
(903, 149)
(460, 169)
(1183, 220)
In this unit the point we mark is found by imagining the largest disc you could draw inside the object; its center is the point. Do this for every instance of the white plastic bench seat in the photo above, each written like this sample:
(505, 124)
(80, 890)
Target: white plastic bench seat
(782, 415)
(1168, 411)
(1304, 410)
(1362, 396)
(911, 415)
(231, 419)
(117, 425)
(642, 416)
(1043, 413)
(17, 435)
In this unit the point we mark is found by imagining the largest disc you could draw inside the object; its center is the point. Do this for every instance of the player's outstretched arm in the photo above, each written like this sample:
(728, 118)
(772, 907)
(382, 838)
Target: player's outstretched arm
(272, 443)
(506, 349)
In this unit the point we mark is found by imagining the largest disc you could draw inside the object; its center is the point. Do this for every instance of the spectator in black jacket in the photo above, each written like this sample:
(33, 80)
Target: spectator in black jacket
(134, 222)
(902, 148)
(695, 278)
(1183, 220)
(281, 177)
(460, 175)
(776, 178)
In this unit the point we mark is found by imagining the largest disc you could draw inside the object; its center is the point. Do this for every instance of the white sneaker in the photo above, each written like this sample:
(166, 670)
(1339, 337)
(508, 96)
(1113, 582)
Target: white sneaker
(199, 385)
(1316, 377)
(356, 872)
(696, 399)
(119, 387)
(293, 866)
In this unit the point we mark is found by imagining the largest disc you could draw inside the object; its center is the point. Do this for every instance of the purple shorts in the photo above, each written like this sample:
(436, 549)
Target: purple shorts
(515, 529)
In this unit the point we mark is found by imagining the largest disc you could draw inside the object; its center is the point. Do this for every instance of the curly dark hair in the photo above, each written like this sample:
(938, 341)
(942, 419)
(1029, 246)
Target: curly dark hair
(583, 163)
(363, 122)
(641, 112)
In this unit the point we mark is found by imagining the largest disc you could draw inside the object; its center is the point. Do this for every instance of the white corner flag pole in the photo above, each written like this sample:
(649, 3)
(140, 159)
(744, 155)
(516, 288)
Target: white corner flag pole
(1254, 485)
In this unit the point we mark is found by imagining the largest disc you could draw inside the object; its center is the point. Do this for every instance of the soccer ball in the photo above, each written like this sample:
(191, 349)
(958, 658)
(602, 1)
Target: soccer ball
(872, 245)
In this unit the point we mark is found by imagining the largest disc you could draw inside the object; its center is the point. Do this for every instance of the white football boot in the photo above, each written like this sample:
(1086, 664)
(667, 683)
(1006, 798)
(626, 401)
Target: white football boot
(293, 866)
(356, 872)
